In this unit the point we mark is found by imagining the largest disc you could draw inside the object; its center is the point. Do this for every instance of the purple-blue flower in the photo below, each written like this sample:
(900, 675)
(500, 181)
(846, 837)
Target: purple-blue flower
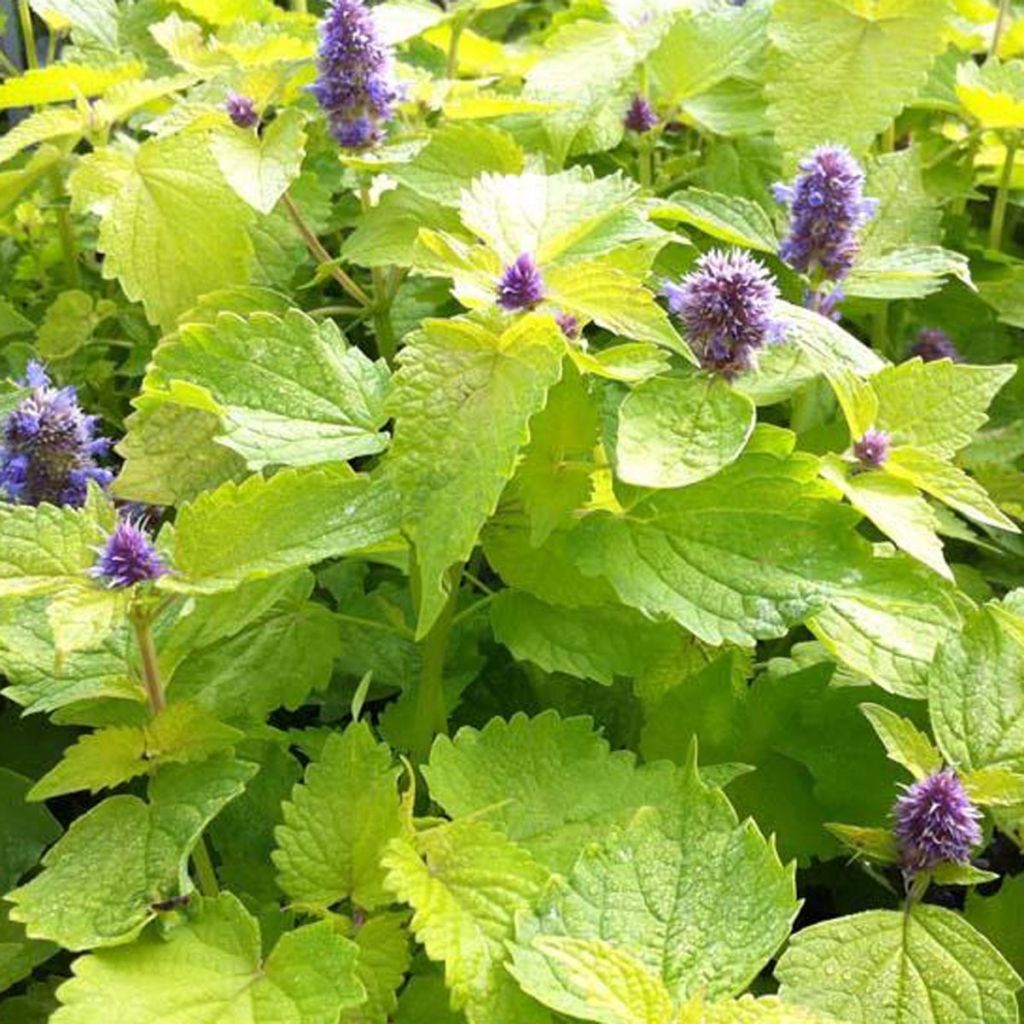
(520, 285)
(49, 447)
(640, 117)
(827, 208)
(933, 344)
(355, 82)
(872, 449)
(936, 823)
(726, 305)
(128, 557)
(569, 325)
(241, 110)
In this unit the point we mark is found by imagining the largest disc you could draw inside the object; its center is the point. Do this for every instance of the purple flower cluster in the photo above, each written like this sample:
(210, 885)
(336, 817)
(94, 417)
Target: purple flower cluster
(640, 117)
(933, 344)
(569, 325)
(48, 447)
(128, 557)
(242, 111)
(936, 823)
(872, 449)
(827, 207)
(355, 83)
(520, 285)
(726, 305)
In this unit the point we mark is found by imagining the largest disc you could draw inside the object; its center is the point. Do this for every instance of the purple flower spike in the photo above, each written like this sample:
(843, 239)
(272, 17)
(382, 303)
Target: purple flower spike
(128, 557)
(872, 449)
(569, 324)
(827, 208)
(934, 344)
(242, 111)
(640, 117)
(521, 285)
(48, 447)
(355, 83)
(726, 305)
(936, 823)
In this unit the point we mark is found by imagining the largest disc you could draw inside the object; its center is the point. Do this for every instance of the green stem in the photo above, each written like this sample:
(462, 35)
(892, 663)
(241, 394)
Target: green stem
(321, 255)
(995, 234)
(143, 624)
(431, 718)
(206, 876)
(28, 34)
(52, 42)
(299, 6)
(383, 328)
(458, 25)
(66, 231)
(9, 67)
(997, 32)
(880, 331)
(889, 138)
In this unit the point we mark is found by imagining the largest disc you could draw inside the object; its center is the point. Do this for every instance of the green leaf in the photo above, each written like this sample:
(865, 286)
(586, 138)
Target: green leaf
(699, 899)
(383, 961)
(173, 229)
(59, 82)
(462, 401)
(466, 882)
(591, 980)
(42, 126)
(19, 955)
(738, 557)
(177, 734)
(877, 844)
(676, 430)
(92, 20)
(266, 526)
(338, 822)
(998, 918)
(861, 64)
(961, 874)
(101, 879)
(995, 786)
(289, 390)
(910, 272)
(975, 697)
(748, 1010)
(25, 830)
(732, 219)
(993, 94)
(904, 743)
(212, 968)
(925, 965)
(260, 167)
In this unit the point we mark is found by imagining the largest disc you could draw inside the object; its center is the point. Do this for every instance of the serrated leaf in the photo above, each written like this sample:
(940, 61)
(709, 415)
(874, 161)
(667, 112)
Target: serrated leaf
(267, 526)
(909, 272)
(904, 743)
(748, 1010)
(82, 617)
(178, 734)
(387, 233)
(59, 82)
(834, 51)
(998, 918)
(676, 430)
(732, 219)
(338, 823)
(101, 879)
(25, 830)
(93, 20)
(995, 786)
(462, 400)
(925, 965)
(992, 94)
(174, 230)
(42, 126)
(383, 961)
(212, 968)
(19, 955)
(290, 391)
(260, 167)
(877, 844)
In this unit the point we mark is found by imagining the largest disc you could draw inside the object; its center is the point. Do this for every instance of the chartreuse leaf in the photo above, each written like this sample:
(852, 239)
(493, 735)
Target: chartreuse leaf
(924, 965)
(260, 167)
(466, 883)
(462, 400)
(101, 879)
(975, 696)
(698, 898)
(81, 617)
(911, 272)
(100, 760)
(43, 125)
(732, 219)
(289, 390)
(211, 969)
(676, 430)
(737, 557)
(338, 822)
(904, 742)
(383, 961)
(262, 527)
(173, 229)
(993, 94)
(748, 1010)
(833, 51)
(997, 786)
(25, 830)
(59, 82)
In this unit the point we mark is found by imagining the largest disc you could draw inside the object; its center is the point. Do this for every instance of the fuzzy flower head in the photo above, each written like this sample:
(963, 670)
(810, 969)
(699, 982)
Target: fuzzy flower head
(48, 447)
(726, 306)
(936, 823)
(569, 325)
(520, 285)
(827, 208)
(355, 81)
(128, 557)
(934, 344)
(872, 449)
(241, 110)
(640, 117)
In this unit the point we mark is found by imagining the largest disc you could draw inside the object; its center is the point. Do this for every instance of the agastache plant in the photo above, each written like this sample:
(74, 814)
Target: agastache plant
(872, 449)
(128, 557)
(727, 306)
(49, 447)
(355, 81)
(640, 117)
(936, 823)
(932, 344)
(520, 286)
(242, 111)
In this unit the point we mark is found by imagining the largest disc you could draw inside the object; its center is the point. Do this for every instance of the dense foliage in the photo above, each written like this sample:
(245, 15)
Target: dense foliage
(509, 512)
